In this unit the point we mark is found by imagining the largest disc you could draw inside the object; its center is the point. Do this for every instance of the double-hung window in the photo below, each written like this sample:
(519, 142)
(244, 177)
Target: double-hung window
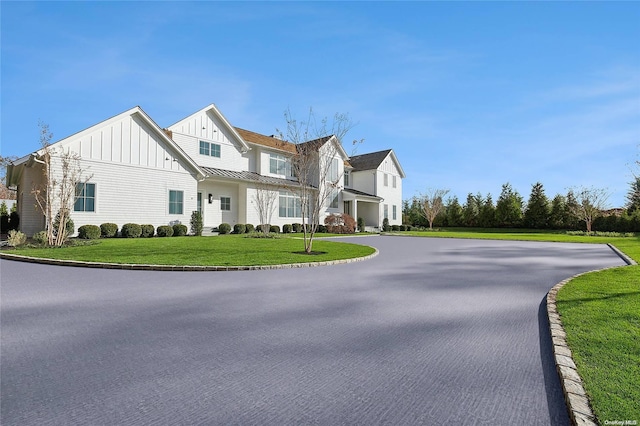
(176, 202)
(386, 179)
(394, 181)
(85, 197)
(210, 149)
(395, 215)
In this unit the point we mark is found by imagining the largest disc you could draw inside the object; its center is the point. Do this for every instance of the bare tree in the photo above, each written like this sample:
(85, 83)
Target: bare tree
(317, 147)
(57, 194)
(431, 203)
(590, 202)
(5, 192)
(265, 201)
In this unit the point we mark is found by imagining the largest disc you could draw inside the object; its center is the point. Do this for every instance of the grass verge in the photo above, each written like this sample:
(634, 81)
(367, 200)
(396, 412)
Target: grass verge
(227, 250)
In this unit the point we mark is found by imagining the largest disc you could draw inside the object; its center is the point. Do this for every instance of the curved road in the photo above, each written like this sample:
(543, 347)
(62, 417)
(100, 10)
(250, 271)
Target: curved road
(431, 331)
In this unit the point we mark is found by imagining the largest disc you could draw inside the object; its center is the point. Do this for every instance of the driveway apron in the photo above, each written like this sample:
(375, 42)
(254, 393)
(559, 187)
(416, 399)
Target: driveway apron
(431, 331)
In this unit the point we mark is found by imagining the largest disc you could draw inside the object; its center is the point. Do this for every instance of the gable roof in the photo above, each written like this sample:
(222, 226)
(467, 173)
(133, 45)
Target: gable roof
(373, 160)
(213, 110)
(135, 111)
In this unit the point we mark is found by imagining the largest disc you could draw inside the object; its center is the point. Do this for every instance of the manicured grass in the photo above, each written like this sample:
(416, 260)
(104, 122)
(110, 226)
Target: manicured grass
(600, 312)
(224, 250)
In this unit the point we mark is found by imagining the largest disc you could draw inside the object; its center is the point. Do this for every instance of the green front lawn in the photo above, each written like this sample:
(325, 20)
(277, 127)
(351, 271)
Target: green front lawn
(224, 250)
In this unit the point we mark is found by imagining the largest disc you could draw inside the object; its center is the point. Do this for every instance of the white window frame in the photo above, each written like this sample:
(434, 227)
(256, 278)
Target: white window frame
(210, 149)
(176, 203)
(280, 165)
(289, 205)
(385, 179)
(225, 204)
(81, 194)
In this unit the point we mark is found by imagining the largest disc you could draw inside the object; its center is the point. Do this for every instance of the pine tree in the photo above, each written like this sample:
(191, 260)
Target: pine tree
(509, 208)
(537, 214)
(454, 212)
(633, 196)
(487, 214)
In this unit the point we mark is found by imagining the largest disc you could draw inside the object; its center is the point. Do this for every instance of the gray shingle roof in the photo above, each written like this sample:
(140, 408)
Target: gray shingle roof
(368, 161)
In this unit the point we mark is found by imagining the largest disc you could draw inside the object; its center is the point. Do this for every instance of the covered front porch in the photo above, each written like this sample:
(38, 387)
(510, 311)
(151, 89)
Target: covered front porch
(360, 204)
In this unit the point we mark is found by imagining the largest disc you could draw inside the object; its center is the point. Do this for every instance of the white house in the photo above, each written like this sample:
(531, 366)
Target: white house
(137, 172)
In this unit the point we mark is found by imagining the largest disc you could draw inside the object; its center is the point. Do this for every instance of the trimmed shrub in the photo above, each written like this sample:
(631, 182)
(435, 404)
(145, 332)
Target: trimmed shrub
(361, 224)
(275, 229)
(249, 228)
(395, 228)
(286, 229)
(196, 223)
(40, 238)
(385, 225)
(239, 228)
(131, 230)
(16, 238)
(297, 227)
(164, 231)
(108, 230)
(180, 230)
(89, 232)
(322, 229)
(224, 228)
(147, 231)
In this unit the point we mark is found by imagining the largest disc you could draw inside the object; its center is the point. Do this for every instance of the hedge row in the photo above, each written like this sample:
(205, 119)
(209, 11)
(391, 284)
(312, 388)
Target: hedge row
(130, 230)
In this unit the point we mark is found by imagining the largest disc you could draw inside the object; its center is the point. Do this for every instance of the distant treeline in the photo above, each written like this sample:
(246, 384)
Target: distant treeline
(539, 212)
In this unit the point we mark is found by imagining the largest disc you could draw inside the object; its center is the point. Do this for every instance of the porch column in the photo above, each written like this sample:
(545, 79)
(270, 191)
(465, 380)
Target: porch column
(355, 210)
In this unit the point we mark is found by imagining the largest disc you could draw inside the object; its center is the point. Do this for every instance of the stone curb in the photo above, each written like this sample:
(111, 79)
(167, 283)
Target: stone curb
(574, 394)
(179, 268)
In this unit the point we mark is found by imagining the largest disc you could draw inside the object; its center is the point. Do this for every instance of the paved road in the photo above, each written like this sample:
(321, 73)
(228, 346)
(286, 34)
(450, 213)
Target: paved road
(432, 331)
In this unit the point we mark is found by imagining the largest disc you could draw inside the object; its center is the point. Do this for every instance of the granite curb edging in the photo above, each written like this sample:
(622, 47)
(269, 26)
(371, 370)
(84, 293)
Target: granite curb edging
(180, 268)
(575, 396)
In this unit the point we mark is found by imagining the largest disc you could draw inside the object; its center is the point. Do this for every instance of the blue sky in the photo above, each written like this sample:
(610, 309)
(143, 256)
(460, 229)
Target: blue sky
(470, 95)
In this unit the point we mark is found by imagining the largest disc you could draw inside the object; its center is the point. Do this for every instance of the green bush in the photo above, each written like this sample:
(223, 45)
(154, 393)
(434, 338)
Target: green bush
(69, 226)
(275, 229)
(297, 227)
(239, 228)
(196, 223)
(385, 225)
(131, 230)
(40, 238)
(89, 232)
(260, 228)
(224, 228)
(286, 229)
(147, 231)
(361, 224)
(180, 230)
(322, 229)
(164, 231)
(16, 238)
(108, 230)
(249, 228)
(395, 228)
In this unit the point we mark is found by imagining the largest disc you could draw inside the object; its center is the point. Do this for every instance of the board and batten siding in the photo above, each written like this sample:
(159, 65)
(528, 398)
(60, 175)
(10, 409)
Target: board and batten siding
(392, 196)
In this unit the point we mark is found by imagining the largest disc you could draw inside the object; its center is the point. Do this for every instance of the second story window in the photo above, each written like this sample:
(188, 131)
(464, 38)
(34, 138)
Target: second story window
(386, 179)
(394, 181)
(333, 172)
(211, 149)
(280, 165)
(346, 179)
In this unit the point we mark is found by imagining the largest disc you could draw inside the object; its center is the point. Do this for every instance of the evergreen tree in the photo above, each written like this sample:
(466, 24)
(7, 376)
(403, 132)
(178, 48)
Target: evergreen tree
(454, 212)
(487, 215)
(571, 221)
(471, 210)
(633, 196)
(509, 208)
(537, 214)
(558, 217)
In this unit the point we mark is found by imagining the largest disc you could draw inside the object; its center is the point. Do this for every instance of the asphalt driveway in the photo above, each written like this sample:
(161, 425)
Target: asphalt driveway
(431, 331)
